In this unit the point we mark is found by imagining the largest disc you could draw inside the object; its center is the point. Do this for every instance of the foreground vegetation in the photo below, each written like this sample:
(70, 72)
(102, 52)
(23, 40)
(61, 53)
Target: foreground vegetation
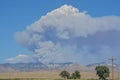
(29, 79)
(66, 75)
(102, 72)
(43, 79)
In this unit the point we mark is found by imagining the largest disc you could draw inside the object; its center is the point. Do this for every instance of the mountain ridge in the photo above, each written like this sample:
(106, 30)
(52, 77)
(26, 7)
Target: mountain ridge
(29, 67)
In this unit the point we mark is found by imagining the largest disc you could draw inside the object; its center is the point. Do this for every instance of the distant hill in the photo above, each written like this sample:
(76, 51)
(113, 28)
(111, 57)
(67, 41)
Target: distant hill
(22, 67)
(116, 66)
(28, 67)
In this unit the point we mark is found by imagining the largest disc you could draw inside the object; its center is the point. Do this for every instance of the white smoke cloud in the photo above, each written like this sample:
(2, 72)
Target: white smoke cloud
(54, 35)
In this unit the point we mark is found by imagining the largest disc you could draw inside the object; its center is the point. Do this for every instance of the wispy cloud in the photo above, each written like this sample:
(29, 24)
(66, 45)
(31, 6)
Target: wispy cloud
(66, 34)
(21, 58)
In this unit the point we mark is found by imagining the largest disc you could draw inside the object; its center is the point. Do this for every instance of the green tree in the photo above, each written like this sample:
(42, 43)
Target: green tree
(76, 75)
(102, 72)
(65, 74)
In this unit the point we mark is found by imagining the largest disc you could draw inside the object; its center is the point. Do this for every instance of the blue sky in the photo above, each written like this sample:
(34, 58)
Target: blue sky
(17, 15)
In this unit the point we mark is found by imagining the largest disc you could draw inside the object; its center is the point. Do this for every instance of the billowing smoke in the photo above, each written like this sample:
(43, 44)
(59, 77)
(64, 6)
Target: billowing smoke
(68, 35)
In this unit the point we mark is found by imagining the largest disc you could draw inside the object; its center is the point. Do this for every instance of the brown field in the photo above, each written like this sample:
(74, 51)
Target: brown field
(47, 75)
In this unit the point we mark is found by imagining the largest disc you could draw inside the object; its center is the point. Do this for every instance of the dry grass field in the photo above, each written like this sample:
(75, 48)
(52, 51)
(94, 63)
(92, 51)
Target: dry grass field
(47, 75)
(41, 74)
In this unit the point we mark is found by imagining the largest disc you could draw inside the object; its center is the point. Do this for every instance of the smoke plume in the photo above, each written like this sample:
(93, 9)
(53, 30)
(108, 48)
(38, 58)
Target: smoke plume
(69, 35)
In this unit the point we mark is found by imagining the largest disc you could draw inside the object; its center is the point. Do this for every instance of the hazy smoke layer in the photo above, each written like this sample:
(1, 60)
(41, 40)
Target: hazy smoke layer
(68, 35)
